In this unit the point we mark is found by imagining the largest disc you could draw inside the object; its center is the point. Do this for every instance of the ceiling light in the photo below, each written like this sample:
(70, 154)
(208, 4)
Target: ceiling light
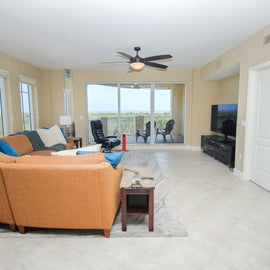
(137, 65)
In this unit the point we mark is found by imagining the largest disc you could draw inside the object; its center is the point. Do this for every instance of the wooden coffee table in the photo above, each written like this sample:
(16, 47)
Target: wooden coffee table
(137, 181)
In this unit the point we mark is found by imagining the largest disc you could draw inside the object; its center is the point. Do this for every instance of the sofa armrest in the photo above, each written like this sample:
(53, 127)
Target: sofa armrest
(70, 140)
(70, 143)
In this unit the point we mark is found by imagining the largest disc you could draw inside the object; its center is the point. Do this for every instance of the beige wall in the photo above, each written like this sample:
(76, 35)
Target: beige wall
(178, 107)
(205, 94)
(200, 94)
(81, 78)
(15, 67)
(229, 89)
(249, 53)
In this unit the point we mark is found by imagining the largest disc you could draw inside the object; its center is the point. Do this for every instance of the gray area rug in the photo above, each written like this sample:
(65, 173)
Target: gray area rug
(166, 218)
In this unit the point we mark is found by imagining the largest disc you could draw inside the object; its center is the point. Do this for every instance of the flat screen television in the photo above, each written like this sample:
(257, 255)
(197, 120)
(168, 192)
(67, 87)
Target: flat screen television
(223, 119)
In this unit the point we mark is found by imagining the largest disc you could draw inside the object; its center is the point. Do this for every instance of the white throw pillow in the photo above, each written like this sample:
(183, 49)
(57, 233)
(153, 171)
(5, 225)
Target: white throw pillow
(72, 152)
(69, 152)
(51, 136)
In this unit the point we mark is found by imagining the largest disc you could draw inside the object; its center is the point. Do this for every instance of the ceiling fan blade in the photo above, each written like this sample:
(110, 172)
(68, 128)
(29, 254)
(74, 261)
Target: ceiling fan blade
(158, 57)
(125, 55)
(156, 65)
(129, 70)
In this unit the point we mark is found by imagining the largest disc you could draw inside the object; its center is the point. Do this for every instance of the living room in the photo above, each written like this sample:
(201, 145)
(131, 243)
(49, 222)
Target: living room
(202, 90)
(223, 79)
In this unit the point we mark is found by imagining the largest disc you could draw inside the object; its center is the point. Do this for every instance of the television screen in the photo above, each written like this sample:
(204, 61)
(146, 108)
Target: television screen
(224, 118)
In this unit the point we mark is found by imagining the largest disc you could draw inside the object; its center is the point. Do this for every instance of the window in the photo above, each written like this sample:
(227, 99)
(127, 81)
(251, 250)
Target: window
(129, 108)
(27, 106)
(102, 108)
(3, 109)
(68, 89)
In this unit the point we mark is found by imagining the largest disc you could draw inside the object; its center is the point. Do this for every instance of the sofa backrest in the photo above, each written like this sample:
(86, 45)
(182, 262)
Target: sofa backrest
(6, 215)
(61, 196)
(7, 159)
(20, 143)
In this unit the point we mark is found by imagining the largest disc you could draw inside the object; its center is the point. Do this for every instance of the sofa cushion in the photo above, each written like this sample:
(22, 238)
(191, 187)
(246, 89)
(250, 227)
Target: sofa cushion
(8, 149)
(84, 159)
(7, 159)
(51, 136)
(20, 143)
(41, 153)
(114, 158)
(72, 152)
(38, 144)
(34, 139)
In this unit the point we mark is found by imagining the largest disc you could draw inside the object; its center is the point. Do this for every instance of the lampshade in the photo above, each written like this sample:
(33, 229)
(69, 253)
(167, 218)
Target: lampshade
(65, 120)
(137, 65)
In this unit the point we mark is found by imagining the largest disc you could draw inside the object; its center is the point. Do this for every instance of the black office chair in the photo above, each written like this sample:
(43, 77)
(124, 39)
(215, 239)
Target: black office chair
(167, 131)
(145, 133)
(107, 142)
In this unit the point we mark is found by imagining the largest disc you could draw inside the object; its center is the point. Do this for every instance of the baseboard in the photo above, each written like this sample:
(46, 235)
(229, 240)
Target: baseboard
(158, 147)
(196, 148)
(238, 173)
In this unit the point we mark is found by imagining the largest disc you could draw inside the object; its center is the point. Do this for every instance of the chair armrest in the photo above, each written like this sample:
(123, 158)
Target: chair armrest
(108, 137)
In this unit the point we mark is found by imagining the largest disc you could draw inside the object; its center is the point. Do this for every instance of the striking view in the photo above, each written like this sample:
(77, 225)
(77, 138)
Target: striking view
(144, 112)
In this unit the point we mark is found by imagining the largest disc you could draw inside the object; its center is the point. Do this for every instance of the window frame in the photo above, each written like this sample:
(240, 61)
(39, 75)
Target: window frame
(31, 86)
(3, 101)
(181, 128)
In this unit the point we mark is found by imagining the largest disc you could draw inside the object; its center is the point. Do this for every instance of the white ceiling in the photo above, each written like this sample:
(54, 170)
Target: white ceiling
(79, 34)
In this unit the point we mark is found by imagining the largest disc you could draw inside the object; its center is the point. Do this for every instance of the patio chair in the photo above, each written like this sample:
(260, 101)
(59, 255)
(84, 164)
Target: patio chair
(145, 133)
(167, 131)
(107, 142)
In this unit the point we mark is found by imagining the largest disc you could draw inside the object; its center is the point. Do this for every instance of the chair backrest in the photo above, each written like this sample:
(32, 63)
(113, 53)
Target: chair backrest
(169, 126)
(148, 127)
(97, 130)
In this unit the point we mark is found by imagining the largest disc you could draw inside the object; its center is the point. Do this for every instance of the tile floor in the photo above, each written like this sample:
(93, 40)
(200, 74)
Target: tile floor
(228, 221)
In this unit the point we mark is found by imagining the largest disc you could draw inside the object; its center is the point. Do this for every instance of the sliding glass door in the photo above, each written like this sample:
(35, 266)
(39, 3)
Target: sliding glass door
(147, 113)
(169, 113)
(102, 102)
(135, 111)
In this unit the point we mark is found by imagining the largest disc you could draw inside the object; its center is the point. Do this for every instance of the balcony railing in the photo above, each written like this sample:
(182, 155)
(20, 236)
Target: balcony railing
(128, 125)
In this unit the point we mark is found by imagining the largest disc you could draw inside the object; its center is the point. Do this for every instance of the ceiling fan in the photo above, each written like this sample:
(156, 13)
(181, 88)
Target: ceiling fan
(137, 63)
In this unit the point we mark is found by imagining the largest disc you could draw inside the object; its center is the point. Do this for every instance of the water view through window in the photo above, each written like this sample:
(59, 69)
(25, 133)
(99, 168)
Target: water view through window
(138, 110)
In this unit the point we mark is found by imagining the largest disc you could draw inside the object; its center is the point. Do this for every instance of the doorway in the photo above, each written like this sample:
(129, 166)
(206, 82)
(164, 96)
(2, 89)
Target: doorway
(257, 144)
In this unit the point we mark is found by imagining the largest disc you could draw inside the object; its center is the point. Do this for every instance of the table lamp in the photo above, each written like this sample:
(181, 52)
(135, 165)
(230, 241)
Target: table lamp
(65, 120)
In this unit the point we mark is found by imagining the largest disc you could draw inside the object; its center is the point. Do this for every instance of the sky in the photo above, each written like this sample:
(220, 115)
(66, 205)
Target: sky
(132, 99)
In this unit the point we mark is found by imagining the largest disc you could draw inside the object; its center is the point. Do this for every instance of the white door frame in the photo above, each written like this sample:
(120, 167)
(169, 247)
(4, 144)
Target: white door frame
(252, 81)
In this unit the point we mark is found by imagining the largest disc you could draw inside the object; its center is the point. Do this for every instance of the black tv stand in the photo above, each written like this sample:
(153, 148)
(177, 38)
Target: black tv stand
(219, 147)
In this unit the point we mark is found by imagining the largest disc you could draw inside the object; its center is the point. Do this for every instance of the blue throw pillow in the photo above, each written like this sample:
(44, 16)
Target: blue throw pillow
(114, 158)
(7, 149)
(85, 152)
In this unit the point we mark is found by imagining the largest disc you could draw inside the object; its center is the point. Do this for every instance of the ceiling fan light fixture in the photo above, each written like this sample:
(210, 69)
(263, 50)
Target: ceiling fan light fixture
(137, 66)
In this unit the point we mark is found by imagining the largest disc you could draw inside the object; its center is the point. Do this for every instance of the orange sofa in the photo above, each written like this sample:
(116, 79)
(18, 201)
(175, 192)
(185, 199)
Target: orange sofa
(68, 192)
(6, 215)
(23, 145)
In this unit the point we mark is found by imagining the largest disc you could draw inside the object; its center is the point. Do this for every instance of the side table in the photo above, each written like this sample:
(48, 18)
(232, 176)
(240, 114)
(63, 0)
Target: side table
(146, 189)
